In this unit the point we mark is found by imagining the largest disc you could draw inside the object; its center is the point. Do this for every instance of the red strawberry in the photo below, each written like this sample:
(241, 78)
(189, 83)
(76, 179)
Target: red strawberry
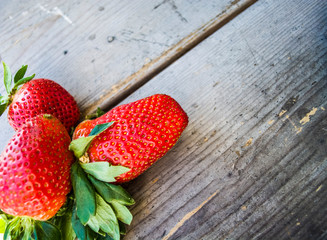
(35, 169)
(39, 96)
(143, 131)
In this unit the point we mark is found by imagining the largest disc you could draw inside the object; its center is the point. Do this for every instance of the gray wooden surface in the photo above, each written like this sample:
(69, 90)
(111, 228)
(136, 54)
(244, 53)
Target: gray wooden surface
(100, 49)
(252, 162)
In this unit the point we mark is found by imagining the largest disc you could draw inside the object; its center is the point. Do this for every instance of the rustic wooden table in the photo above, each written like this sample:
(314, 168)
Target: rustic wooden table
(252, 76)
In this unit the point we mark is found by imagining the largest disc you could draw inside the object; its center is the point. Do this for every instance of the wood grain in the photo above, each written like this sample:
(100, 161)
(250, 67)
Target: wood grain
(130, 84)
(89, 46)
(94, 48)
(252, 162)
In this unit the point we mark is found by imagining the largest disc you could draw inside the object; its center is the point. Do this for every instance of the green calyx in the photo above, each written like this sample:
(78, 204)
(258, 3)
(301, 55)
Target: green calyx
(81, 145)
(25, 228)
(12, 85)
(100, 208)
(103, 170)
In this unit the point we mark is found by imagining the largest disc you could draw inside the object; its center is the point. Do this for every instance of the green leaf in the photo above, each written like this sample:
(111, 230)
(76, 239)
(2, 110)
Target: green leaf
(46, 231)
(103, 171)
(6, 235)
(104, 219)
(100, 128)
(11, 230)
(7, 77)
(81, 145)
(4, 101)
(122, 212)
(82, 232)
(23, 81)
(64, 223)
(3, 223)
(20, 73)
(84, 193)
(3, 108)
(111, 192)
(78, 227)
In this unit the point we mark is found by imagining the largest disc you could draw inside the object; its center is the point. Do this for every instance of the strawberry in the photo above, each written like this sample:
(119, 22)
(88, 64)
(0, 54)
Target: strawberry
(38, 96)
(141, 133)
(115, 148)
(35, 169)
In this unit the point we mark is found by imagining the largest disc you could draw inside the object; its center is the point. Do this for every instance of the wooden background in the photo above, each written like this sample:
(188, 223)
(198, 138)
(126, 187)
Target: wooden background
(252, 76)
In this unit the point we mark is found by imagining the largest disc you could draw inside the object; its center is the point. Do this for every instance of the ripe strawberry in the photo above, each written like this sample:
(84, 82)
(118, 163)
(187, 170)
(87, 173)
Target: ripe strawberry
(38, 96)
(35, 169)
(143, 131)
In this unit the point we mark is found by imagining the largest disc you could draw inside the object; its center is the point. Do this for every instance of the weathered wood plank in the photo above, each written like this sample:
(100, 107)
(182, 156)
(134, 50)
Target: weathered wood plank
(252, 162)
(104, 42)
(128, 85)
(93, 48)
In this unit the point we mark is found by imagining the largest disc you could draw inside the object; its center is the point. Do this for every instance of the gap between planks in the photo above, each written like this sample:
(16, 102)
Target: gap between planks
(127, 86)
